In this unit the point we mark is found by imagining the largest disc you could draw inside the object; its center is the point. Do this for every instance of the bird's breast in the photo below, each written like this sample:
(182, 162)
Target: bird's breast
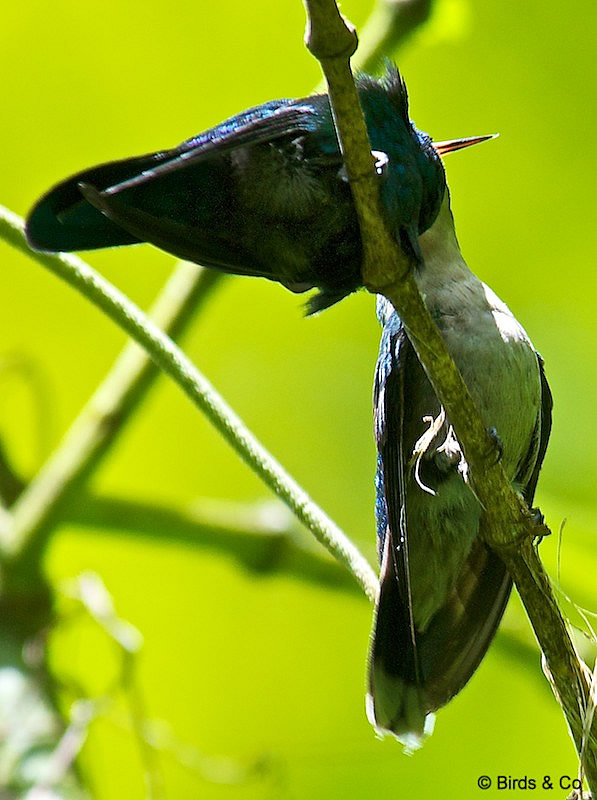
(496, 360)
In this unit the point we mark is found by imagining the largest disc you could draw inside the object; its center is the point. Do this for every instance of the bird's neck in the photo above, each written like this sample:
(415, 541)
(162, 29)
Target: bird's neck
(443, 262)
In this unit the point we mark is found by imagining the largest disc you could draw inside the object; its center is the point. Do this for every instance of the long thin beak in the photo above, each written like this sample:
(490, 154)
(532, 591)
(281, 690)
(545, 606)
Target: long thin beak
(459, 144)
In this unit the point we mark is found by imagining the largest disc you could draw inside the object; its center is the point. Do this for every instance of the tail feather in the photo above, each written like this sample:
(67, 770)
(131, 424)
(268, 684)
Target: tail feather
(409, 681)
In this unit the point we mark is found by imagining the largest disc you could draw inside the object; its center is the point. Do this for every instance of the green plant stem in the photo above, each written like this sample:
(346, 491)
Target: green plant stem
(174, 362)
(508, 526)
(262, 538)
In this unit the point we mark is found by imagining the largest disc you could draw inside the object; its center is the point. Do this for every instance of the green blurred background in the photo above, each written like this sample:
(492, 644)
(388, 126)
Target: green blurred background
(263, 667)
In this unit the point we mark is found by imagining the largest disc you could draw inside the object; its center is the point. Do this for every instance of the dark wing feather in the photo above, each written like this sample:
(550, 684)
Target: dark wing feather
(544, 432)
(63, 220)
(394, 671)
(284, 121)
(183, 240)
(392, 469)
(459, 634)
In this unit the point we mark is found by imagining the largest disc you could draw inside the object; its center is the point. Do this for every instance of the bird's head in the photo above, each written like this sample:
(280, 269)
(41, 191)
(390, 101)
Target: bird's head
(415, 180)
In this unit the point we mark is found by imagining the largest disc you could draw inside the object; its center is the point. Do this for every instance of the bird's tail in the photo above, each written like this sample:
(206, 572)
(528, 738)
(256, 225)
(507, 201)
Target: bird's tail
(410, 679)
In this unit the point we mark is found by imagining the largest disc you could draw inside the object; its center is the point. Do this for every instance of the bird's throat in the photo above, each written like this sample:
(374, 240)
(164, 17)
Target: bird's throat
(443, 264)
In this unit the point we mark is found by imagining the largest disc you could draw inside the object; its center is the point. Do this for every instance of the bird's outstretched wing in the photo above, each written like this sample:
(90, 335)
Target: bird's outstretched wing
(157, 197)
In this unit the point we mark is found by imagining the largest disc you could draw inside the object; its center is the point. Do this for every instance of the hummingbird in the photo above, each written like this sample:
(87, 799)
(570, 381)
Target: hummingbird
(266, 194)
(443, 591)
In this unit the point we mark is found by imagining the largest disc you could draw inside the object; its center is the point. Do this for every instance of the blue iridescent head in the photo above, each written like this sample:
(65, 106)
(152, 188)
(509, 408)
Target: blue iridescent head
(414, 180)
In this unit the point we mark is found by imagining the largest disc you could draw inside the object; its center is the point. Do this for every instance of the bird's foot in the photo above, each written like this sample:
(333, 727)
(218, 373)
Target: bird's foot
(541, 529)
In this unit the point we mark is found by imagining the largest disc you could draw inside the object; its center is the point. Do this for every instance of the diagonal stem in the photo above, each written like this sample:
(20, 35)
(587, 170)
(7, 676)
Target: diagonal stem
(175, 363)
(510, 530)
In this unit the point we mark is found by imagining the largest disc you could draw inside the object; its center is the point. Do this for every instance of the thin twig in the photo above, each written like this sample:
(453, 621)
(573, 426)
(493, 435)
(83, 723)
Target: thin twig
(508, 526)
